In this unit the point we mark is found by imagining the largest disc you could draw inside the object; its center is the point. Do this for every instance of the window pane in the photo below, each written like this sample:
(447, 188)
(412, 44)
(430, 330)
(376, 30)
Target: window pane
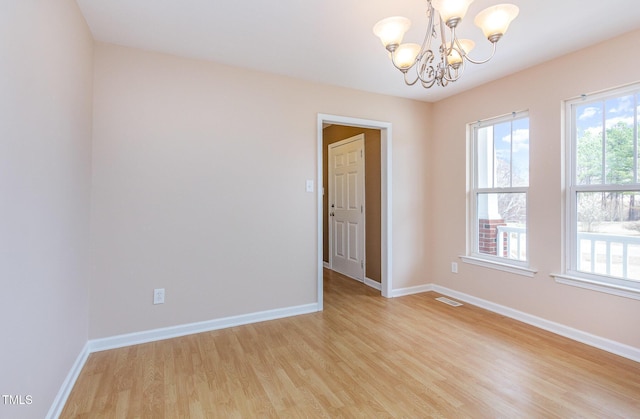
(503, 154)
(502, 230)
(619, 153)
(608, 239)
(485, 157)
(589, 144)
(520, 152)
(638, 130)
(502, 144)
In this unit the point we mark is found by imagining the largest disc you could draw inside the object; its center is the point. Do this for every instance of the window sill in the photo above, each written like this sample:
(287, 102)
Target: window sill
(594, 285)
(505, 267)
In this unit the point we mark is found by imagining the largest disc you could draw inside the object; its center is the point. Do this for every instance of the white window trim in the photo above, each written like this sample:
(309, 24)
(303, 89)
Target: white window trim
(570, 275)
(499, 266)
(520, 267)
(597, 285)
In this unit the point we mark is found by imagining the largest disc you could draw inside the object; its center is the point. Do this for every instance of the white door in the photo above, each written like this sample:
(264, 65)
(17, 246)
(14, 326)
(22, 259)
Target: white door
(346, 207)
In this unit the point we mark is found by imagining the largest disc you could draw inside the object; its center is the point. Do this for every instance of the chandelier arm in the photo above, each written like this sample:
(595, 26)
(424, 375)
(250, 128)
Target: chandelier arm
(428, 36)
(426, 43)
(443, 38)
(455, 44)
(445, 50)
(428, 75)
(457, 69)
(410, 83)
(425, 70)
(493, 52)
(443, 82)
(428, 85)
(458, 72)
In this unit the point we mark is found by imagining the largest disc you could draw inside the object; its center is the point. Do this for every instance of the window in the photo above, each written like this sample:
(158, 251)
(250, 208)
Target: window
(499, 179)
(603, 191)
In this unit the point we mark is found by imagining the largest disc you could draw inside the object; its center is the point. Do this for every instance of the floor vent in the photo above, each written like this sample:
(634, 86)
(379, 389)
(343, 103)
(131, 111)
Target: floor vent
(448, 301)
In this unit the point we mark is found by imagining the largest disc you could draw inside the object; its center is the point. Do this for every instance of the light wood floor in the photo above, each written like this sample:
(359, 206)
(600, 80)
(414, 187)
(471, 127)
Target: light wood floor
(363, 356)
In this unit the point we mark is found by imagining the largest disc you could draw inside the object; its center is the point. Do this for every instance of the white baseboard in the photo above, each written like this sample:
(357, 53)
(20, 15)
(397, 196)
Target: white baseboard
(373, 284)
(120, 341)
(605, 344)
(399, 292)
(326, 264)
(63, 394)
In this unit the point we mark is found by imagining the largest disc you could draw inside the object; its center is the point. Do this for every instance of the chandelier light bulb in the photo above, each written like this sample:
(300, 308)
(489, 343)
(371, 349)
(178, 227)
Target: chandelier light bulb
(405, 55)
(494, 21)
(451, 11)
(391, 31)
(454, 58)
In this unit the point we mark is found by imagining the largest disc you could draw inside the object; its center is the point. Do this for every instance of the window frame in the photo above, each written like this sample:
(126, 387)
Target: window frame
(571, 275)
(473, 254)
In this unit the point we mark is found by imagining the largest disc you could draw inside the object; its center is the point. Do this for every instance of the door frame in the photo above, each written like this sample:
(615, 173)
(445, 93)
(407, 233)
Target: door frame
(385, 192)
(363, 227)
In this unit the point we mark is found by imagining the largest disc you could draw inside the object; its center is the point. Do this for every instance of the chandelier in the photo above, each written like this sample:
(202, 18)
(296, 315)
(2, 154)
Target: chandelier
(449, 65)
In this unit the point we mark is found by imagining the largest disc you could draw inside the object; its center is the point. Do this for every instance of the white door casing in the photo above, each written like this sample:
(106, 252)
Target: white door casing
(386, 209)
(346, 207)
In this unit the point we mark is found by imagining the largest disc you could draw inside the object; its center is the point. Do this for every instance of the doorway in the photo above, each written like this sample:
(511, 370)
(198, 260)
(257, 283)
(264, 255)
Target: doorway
(385, 196)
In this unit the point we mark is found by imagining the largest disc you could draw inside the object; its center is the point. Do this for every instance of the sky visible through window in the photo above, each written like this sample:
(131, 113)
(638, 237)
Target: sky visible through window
(620, 109)
(510, 143)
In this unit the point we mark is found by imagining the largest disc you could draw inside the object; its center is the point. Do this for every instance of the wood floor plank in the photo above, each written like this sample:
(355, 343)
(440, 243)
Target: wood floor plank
(363, 356)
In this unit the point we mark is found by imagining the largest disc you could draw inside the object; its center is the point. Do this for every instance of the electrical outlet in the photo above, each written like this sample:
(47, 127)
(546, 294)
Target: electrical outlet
(454, 267)
(158, 296)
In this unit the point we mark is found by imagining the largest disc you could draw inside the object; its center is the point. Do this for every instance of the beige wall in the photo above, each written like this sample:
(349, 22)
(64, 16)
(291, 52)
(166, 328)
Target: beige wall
(45, 169)
(199, 176)
(373, 176)
(540, 90)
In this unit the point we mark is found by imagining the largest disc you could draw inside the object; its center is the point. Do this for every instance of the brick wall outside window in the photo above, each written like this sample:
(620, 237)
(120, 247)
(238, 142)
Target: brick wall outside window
(487, 236)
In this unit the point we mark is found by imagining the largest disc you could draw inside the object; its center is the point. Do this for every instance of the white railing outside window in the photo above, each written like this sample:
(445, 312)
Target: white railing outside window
(512, 242)
(609, 254)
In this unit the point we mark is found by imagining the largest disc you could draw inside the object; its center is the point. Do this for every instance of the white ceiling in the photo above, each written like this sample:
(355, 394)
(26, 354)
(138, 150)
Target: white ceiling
(331, 41)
